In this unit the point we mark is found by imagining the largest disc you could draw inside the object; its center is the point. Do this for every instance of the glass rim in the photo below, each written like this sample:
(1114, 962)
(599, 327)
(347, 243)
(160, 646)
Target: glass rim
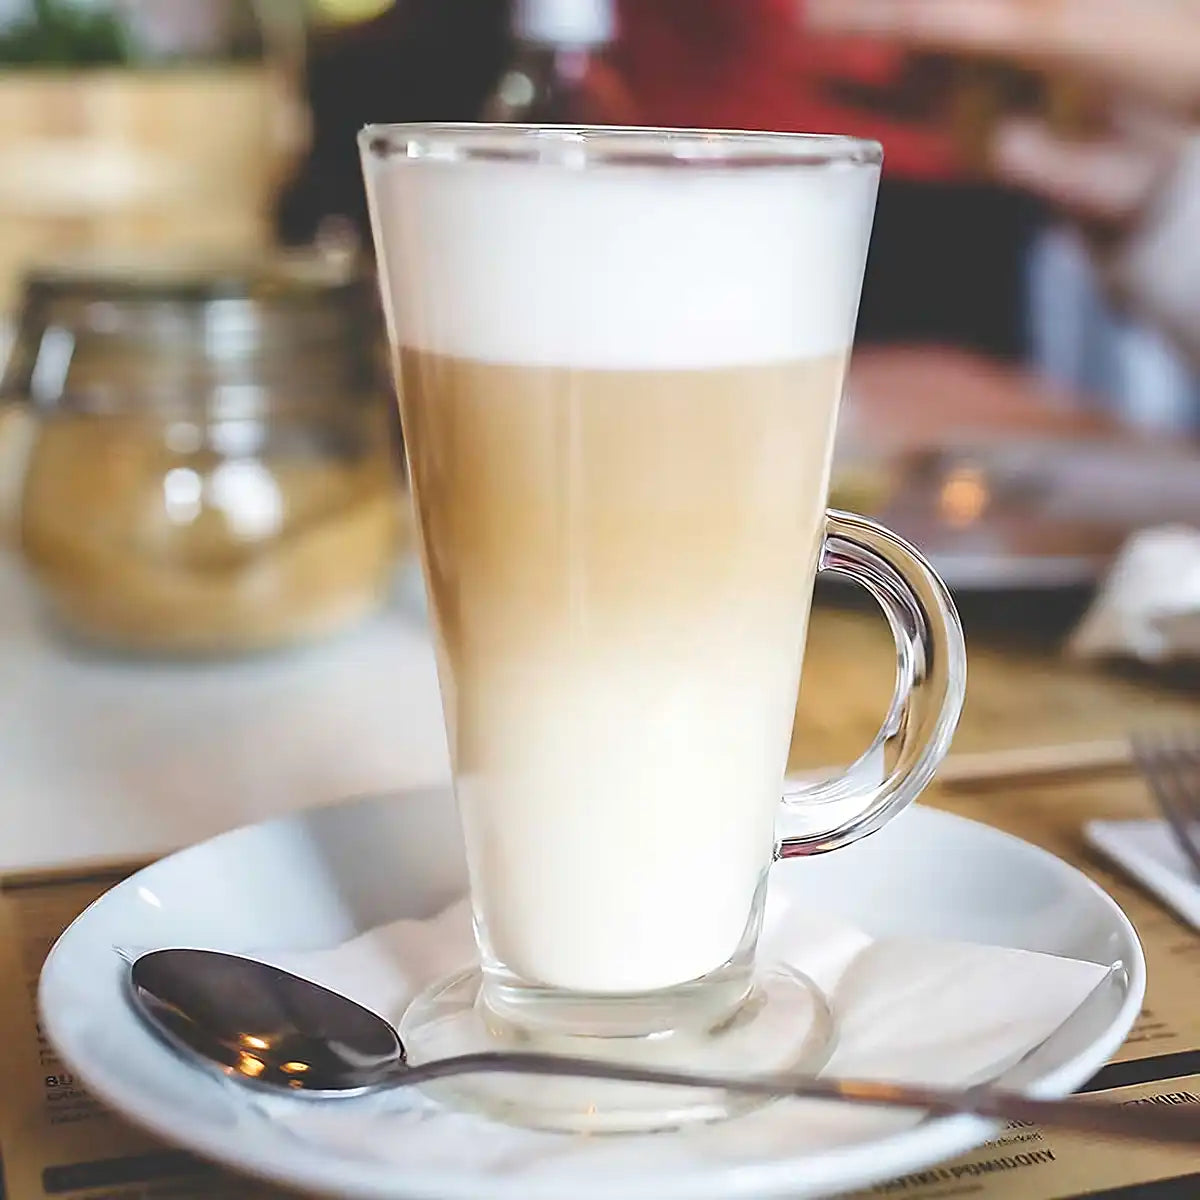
(581, 146)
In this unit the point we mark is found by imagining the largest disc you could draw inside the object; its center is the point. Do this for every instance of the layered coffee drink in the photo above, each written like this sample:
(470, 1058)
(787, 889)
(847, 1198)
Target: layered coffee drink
(619, 394)
(620, 565)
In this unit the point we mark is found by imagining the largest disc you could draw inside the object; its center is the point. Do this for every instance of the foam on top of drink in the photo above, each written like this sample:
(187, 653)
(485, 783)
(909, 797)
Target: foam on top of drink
(622, 267)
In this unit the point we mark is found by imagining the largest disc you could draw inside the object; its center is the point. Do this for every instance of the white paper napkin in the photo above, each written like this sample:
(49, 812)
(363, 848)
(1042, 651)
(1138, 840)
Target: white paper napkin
(1148, 606)
(908, 1009)
(1149, 852)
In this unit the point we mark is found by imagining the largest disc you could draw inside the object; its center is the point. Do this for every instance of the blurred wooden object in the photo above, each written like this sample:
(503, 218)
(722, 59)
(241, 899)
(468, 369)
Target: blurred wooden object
(1005, 480)
(1035, 764)
(135, 159)
(919, 396)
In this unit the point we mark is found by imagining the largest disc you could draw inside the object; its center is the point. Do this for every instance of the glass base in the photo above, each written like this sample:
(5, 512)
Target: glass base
(783, 1024)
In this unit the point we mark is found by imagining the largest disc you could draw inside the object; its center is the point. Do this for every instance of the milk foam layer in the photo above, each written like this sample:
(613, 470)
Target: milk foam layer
(621, 266)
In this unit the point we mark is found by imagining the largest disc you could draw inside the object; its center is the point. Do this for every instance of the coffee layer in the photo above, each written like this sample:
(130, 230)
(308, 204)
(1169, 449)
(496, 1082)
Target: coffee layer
(620, 569)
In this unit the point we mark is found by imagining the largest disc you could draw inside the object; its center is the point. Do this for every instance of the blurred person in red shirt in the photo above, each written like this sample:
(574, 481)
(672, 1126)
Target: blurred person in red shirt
(945, 255)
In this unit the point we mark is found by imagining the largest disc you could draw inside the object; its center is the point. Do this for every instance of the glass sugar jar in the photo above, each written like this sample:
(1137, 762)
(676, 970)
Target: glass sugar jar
(200, 457)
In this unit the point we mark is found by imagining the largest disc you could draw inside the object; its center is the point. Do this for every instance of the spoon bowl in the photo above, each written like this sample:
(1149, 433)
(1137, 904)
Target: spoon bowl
(264, 1025)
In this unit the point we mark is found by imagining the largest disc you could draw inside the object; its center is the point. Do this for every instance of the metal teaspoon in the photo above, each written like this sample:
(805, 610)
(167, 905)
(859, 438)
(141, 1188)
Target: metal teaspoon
(258, 1024)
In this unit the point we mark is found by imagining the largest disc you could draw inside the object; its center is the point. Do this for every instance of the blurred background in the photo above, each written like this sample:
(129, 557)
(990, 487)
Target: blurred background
(198, 447)
(1028, 335)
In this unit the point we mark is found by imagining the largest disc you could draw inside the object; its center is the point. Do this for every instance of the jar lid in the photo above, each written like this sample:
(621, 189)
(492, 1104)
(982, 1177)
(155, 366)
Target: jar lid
(267, 278)
(105, 331)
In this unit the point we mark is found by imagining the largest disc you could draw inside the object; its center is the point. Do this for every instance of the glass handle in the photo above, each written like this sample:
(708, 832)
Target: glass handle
(931, 675)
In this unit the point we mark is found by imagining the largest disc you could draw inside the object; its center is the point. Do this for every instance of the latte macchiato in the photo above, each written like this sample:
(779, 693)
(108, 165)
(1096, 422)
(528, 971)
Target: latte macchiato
(619, 392)
(619, 354)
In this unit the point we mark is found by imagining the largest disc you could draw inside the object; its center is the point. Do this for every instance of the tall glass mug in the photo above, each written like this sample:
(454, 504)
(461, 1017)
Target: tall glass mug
(620, 354)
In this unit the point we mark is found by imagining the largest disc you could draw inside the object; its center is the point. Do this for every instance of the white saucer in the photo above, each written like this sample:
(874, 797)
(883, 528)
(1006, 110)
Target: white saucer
(318, 879)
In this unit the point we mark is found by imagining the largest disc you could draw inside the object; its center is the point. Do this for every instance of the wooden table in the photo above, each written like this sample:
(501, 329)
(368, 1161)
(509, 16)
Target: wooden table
(1021, 690)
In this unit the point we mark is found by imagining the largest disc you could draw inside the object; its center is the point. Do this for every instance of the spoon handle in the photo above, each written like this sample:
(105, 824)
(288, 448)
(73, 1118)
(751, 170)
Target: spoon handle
(1176, 1124)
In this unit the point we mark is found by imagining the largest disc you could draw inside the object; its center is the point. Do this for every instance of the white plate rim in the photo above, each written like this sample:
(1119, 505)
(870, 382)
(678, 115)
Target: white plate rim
(841, 1168)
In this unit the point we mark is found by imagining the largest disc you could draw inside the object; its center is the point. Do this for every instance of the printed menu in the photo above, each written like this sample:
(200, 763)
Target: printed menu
(56, 1141)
